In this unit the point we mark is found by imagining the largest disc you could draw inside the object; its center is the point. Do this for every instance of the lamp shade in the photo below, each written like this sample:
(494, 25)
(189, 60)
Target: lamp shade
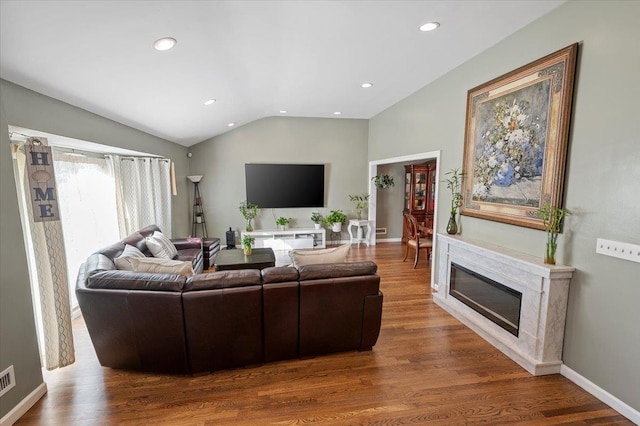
(195, 179)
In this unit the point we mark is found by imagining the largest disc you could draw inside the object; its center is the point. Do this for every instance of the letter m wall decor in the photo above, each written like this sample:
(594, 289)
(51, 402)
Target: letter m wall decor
(42, 181)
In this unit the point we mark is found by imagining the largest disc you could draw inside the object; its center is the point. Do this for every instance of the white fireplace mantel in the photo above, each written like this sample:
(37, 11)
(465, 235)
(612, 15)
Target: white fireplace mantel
(544, 288)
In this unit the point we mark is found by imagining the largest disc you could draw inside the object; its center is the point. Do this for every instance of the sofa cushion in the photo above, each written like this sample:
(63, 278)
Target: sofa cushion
(223, 279)
(162, 266)
(123, 261)
(129, 280)
(279, 274)
(337, 270)
(322, 256)
(161, 246)
(137, 240)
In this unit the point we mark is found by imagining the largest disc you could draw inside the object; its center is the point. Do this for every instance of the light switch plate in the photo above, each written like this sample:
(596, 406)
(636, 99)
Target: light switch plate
(626, 251)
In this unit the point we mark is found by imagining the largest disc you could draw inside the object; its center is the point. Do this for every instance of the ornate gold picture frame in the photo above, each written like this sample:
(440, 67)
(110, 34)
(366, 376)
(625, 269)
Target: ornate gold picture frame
(516, 140)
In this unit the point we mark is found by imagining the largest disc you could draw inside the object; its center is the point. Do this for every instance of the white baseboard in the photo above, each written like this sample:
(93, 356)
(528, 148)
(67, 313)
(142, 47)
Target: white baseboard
(604, 396)
(23, 406)
(388, 240)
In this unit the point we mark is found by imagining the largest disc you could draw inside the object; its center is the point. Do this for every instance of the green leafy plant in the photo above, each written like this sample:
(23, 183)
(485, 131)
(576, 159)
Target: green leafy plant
(316, 217)
(282, 221)
(454, 182)
(360, 203)
(249, 211)
(247, 241)
(552, 218)
(383, 181)
(335, 216)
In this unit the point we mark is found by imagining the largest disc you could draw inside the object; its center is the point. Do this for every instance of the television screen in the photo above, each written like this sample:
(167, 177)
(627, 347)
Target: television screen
(285, 185)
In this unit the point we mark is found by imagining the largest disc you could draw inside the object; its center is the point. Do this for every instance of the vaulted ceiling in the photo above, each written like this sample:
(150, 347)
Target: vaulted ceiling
(255, 58)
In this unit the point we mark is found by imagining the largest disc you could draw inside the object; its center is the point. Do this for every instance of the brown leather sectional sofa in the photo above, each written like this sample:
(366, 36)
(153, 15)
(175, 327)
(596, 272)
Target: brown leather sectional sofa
(173, 324)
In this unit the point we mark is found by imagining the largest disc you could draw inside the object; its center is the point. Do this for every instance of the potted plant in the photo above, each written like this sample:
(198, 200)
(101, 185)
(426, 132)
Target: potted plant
(249, 211)
(335, 219)
(282, 222)
(383, 181)
(316, 218)
(247, 242)
(199, 216)
(454, 183)
(552, 218)
(360, 203)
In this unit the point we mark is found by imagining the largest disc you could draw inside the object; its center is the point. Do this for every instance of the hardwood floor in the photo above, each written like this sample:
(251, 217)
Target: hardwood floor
(426, 368)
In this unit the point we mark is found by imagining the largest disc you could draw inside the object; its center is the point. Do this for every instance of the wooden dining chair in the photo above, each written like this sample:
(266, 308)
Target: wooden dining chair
(416, 240)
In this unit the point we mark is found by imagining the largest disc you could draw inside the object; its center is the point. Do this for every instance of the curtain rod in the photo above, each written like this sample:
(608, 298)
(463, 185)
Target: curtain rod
(129, 157)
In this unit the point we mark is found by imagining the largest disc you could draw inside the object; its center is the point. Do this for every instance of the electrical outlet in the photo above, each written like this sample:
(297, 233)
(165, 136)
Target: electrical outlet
(626, 251)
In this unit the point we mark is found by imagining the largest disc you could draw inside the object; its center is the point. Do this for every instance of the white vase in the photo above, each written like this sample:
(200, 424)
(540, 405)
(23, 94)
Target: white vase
(317, 225)
(336, 227)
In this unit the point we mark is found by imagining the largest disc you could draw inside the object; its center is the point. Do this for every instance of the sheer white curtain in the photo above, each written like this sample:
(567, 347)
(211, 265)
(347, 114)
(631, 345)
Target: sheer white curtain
(143, 192)
(87, 201)
(48, 272)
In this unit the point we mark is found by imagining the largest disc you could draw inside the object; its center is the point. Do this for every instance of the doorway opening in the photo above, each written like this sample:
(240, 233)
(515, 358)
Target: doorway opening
(373, 192)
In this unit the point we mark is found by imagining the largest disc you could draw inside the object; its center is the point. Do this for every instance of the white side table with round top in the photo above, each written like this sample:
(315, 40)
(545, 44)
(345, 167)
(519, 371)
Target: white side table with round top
(359, 224)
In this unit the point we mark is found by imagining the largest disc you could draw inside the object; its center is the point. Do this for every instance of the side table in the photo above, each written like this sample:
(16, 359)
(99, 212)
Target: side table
(359, 223)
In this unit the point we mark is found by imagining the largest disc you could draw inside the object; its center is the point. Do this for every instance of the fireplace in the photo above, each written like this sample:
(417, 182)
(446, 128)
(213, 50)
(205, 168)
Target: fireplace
(489, 298)
(511, 299)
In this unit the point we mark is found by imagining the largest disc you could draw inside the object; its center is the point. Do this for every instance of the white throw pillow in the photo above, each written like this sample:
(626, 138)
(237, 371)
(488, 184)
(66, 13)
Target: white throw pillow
(161, 246)
(123, 261)
(314, 257)
(162, 266)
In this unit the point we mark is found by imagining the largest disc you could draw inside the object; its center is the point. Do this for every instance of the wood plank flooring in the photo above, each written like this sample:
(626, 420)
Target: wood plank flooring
(426, 368)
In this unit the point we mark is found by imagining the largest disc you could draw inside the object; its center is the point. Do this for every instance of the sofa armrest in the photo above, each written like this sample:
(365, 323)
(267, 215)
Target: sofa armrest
(371, 321)
(187, 243)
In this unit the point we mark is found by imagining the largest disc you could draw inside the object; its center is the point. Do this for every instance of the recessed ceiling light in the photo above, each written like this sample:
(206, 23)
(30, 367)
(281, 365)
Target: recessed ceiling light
(164, 43)
(283, 112)
(429, 26)
(337, 113)
(367, 85)
(231, 124)
(209, 102)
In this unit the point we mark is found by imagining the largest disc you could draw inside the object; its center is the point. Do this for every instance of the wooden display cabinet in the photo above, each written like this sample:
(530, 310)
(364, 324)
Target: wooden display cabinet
(419, 194)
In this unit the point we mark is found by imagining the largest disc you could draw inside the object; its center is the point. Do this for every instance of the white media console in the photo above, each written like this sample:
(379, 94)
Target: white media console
(289, 239)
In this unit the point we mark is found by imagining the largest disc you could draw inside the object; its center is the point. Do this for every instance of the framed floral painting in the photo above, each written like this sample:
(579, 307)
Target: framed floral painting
(516, 141)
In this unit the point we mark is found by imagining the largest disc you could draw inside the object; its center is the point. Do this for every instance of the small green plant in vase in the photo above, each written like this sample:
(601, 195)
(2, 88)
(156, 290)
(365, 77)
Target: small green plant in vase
(247, 243)
(360, 202)
(199, 216)
(335, 219)
(316, 218)
(282, 222)
(454, 183)
(552, 218)
(249, 211)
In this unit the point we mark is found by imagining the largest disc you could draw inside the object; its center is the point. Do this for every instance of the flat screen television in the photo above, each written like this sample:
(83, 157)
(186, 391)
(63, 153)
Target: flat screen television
(285, 185)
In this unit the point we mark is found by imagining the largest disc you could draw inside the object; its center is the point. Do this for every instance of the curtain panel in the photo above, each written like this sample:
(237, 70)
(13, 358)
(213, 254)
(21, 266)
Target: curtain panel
(48, 271)
(143, 192)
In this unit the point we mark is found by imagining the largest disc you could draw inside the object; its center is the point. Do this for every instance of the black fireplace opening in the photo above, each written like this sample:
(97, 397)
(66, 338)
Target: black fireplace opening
(489, 298)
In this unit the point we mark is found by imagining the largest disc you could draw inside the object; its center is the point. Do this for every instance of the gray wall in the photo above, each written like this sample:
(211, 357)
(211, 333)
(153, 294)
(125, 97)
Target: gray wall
(339, 144)
(18, 342)
(25, 108)
(32, 110)
(602, 338)
(390, 202)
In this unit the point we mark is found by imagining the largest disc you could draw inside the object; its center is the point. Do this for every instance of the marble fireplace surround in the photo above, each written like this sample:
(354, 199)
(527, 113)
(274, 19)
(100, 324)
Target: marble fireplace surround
(544, 288)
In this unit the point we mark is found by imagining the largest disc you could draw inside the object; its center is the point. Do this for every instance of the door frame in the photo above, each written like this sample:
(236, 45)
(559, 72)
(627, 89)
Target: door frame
(373, 193)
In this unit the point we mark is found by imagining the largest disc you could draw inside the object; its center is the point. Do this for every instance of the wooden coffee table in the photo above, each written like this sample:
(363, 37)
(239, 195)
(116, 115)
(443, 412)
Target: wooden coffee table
(260, 258)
